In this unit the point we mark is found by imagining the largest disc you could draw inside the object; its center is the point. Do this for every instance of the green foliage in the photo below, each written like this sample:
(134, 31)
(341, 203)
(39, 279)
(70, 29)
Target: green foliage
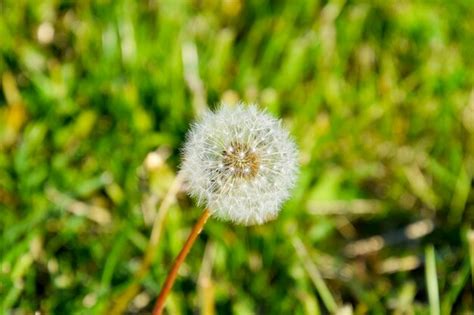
(378, 95)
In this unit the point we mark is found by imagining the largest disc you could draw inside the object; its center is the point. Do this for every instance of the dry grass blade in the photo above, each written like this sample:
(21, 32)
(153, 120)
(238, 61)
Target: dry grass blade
(206, 289)
(315, 275)
(124, 299)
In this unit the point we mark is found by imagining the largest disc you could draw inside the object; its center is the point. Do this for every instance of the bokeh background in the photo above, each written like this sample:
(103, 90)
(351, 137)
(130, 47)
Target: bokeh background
(95, 101)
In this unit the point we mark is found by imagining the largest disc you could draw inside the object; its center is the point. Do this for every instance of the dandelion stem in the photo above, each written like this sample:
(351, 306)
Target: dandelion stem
(160, 301)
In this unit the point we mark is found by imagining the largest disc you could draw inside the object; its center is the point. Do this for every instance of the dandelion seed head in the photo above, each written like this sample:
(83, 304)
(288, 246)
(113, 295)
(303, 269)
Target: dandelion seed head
(240, 163)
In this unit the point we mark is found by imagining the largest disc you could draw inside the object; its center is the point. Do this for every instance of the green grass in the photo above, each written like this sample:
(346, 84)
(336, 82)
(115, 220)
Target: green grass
(378, 95)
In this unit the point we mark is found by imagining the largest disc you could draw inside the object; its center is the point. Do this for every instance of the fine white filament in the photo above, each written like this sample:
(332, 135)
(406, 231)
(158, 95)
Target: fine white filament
(240, 163)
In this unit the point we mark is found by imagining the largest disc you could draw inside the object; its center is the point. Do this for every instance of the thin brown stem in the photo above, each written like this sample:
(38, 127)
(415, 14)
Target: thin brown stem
(160, 301)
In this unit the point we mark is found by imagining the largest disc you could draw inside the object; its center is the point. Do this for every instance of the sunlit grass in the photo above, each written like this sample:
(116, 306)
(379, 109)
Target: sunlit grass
(378, 96)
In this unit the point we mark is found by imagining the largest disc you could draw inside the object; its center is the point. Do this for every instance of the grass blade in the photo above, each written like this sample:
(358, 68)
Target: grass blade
(432, 280)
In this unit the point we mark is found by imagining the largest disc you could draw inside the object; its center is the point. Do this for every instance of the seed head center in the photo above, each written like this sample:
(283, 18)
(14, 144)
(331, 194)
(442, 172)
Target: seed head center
(241, 160)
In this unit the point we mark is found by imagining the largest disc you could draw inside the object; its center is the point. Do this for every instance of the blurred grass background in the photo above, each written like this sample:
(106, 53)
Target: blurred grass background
(97, 96)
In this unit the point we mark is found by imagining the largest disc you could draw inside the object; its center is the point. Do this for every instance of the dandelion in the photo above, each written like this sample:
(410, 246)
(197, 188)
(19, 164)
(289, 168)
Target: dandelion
(241, 164)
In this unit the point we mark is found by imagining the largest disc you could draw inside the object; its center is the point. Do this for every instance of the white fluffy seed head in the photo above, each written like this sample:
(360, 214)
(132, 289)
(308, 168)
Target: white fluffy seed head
(240, 163)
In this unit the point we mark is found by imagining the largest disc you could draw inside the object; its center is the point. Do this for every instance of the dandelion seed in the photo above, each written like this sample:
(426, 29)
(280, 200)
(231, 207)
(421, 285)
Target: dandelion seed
(240, 163)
